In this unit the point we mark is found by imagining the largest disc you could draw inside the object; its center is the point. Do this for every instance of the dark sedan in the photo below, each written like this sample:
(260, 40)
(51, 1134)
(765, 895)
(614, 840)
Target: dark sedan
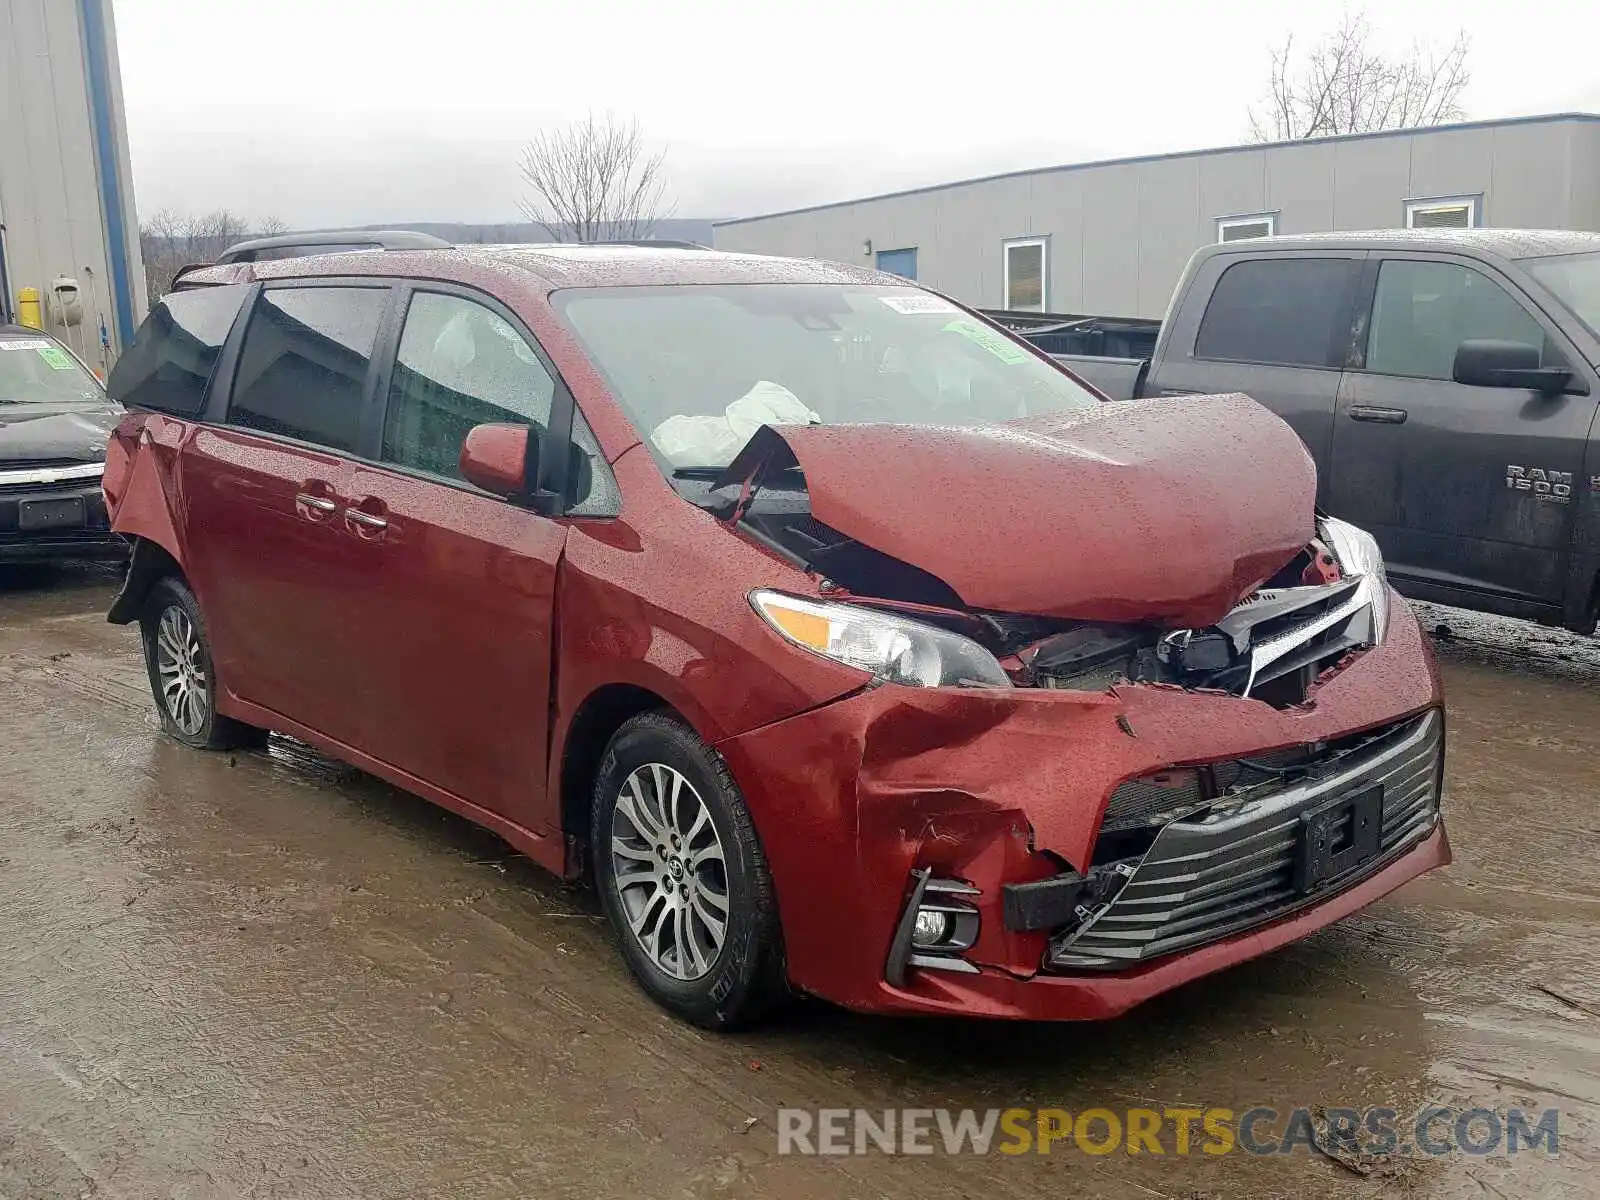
(54, 422)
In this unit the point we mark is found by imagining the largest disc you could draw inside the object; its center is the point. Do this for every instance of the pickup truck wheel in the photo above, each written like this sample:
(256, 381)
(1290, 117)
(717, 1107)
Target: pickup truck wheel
(682, 877)
(177, 657)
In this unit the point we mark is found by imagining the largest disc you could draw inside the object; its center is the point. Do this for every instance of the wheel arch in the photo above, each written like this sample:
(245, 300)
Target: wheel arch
(149, 563)
(595, 721)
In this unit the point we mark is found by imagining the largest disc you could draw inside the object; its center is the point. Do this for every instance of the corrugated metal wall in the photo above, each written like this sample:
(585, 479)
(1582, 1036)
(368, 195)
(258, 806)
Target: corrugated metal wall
(64, 174)
(1120, 233)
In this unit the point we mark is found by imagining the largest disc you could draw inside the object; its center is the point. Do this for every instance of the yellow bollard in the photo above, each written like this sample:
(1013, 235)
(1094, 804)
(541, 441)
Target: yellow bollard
(29, 311)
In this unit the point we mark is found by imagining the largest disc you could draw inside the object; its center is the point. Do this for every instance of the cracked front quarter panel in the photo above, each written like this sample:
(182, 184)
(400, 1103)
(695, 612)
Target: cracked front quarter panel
(1160, 510)
(1003, 787)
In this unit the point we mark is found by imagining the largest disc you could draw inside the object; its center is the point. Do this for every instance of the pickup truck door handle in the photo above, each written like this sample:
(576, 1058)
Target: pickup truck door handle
(1383, 416)
(320, 503)
(366, 518)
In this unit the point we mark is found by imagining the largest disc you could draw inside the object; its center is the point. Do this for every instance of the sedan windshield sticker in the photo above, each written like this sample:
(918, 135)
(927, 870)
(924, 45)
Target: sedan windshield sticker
(56, 357)
(26, 344)
(996, 344)
(919, 305)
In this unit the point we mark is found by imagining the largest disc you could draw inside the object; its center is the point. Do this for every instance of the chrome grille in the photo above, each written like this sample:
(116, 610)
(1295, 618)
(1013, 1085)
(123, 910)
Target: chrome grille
(1233, 867)
(49, 475)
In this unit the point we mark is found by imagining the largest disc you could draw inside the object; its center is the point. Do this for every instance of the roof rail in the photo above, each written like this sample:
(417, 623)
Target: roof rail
(329, 241)
(660, 243)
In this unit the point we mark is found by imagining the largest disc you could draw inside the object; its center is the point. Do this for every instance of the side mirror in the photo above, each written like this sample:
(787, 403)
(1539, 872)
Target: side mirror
(504, 461)
(1490, 362)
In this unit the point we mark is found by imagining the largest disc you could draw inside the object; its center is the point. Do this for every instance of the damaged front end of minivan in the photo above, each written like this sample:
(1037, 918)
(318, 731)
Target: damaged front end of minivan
(1138, 711)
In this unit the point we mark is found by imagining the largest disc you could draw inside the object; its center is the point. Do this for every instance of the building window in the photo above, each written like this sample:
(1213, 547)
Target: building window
(1025, 274)
(1240, 229)
(1449, 212)
(899, 262)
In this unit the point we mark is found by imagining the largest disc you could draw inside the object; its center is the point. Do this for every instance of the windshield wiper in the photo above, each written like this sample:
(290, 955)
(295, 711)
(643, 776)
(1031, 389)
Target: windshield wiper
(697, 472)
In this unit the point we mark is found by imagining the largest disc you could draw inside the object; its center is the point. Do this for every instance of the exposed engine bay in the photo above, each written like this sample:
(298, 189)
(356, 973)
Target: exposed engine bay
(1322, 605)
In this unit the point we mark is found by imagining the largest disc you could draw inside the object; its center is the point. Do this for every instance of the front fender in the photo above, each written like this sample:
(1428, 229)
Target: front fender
(140, 495)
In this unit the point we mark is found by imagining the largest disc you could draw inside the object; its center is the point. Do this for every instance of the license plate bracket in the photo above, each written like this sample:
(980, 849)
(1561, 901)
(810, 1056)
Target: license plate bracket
(1338, 836)
(64, 512)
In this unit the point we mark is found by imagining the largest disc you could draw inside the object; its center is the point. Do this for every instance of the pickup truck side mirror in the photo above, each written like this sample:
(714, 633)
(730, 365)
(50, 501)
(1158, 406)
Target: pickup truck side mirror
(1490, 362)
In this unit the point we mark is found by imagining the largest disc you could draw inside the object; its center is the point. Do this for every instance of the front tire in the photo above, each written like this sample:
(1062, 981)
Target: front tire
(177, 657)
(682, 877)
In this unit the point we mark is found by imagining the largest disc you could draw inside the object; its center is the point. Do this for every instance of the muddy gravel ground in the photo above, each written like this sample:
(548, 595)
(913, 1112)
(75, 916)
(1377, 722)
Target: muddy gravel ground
(268, 975)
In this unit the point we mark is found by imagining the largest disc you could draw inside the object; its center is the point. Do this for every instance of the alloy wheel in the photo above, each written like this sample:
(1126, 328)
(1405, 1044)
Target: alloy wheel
(668, 868)
(185, 689)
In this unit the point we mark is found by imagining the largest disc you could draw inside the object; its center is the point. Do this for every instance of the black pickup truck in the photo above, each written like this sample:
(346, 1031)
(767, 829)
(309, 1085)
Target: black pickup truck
(1445, 381)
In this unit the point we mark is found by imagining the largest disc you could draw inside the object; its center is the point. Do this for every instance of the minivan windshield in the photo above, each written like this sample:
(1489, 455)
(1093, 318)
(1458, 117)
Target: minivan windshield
(700, 368)
(37, 371)
(1575, 279)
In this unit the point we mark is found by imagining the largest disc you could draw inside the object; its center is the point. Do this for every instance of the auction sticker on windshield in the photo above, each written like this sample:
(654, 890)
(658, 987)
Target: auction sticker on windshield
(27, 344)
(1006, 351)
(56, 357)
(910, 306)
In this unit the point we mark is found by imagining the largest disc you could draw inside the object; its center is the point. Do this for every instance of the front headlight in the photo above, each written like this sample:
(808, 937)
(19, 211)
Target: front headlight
(887, 646)
(1359, 555)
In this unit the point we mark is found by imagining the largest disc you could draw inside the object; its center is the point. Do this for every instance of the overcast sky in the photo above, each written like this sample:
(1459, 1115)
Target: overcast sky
(328, 112)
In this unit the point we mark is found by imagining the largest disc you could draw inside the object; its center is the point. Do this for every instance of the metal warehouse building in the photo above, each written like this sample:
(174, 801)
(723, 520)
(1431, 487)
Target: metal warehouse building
(1110, 238)
(68, 230)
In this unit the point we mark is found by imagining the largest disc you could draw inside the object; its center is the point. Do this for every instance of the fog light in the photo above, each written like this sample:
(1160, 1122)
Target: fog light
(931, 928)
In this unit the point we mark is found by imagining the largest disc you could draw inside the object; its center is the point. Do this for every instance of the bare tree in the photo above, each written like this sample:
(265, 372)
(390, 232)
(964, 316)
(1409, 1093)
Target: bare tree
(170, 240)
(1348, 85)
(593, 180)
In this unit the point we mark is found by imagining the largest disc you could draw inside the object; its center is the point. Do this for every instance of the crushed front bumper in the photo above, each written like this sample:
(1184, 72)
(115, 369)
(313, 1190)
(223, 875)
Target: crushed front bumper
(1253, 859)
(857, 799)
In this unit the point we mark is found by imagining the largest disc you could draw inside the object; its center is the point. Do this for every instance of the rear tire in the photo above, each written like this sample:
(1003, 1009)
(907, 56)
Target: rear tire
(177, 658)
(682, 877)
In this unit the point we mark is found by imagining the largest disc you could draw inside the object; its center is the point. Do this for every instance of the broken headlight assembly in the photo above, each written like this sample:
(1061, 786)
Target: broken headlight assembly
(1359, 556)
(887, 646)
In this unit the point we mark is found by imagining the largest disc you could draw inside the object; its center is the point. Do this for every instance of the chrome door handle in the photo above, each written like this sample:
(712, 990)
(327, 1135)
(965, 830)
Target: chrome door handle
(320, 503)
(1383, 416)
(366, 518)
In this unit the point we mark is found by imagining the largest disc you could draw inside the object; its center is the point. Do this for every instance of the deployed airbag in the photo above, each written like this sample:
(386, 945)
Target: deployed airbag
(702, 440)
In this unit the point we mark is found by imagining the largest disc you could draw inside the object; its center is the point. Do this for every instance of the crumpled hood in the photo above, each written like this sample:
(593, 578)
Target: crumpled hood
(41, 431)
(1166, 510)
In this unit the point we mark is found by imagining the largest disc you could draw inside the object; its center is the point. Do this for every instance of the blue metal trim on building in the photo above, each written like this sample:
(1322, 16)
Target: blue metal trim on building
(97, 69)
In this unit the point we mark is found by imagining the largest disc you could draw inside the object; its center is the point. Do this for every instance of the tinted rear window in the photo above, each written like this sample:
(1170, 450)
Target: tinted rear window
(175, 351)
(1287, 311)
(303, 368)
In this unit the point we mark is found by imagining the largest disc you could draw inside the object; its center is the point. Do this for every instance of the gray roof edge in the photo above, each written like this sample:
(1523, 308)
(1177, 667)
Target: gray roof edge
(1409, 131)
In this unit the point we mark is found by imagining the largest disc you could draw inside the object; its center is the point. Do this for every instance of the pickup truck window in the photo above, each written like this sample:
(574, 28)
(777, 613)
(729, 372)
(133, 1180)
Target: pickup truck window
(1285, 311)
(1424, 310)
(1575, 279)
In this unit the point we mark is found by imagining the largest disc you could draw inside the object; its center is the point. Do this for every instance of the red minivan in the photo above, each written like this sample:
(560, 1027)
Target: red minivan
(855, 647)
